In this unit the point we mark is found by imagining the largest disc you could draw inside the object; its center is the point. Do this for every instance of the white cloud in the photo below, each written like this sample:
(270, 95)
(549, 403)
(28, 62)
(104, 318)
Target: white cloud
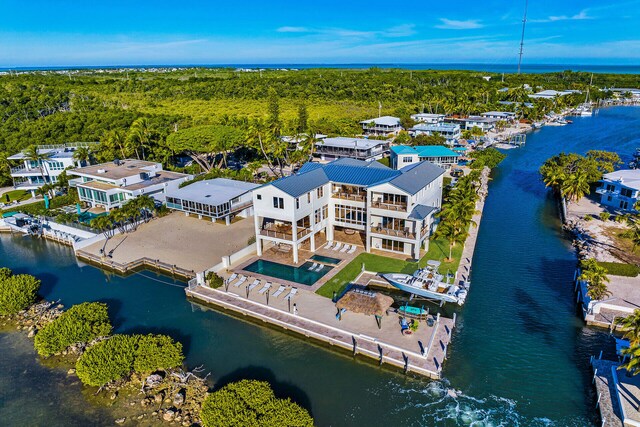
(293, 30)
(452, 24)
(581, 16)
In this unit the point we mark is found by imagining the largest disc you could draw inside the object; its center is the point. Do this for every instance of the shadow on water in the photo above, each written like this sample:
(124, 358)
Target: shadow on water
(282, 389)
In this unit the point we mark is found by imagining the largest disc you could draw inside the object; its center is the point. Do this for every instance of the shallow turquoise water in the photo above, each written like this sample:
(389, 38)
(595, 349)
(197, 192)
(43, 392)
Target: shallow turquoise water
(519, 356)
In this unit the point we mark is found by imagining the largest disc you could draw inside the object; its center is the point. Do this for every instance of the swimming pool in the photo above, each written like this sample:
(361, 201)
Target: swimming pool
(300, 275)
(326, 259)
(86, 217)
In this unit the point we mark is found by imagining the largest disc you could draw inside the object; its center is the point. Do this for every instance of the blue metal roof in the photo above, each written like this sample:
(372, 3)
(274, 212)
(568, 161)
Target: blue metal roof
(425, 150)
(403, 149)
(358, 175)
(421, 211)
(414, 177)
(297, 185)
(356, 172)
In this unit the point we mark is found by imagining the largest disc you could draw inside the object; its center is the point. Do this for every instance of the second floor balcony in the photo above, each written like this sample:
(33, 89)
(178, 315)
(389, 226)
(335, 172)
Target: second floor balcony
(25, 171)
(404, 233)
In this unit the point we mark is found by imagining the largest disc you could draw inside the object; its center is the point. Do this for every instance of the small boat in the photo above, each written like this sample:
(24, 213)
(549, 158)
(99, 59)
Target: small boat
(413, 312)
(428, 283)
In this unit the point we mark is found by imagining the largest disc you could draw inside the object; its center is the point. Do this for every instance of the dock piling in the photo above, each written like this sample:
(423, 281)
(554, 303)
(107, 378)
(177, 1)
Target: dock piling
(355, 345)
(595, 373)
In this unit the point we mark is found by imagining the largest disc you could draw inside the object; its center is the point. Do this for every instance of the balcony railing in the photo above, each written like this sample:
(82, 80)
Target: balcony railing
(22, 170)
(398, 207)
(406, 233)
(284, 233)
(350, 196)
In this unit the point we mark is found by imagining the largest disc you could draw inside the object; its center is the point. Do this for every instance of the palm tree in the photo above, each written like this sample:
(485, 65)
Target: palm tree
(633, 233)
(596, 278)
(139, 136)
(82, 155)
(632, 365)
(33, 154)
(576, 185)
(631, 327)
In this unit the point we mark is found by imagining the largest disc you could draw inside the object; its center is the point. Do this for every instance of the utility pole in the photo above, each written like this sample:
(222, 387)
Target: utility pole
(524, 22)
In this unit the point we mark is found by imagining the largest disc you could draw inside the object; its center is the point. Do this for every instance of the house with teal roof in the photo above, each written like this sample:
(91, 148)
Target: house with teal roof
(405, 155)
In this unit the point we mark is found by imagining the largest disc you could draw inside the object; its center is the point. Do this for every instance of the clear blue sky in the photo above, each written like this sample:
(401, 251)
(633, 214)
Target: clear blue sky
(62, 32)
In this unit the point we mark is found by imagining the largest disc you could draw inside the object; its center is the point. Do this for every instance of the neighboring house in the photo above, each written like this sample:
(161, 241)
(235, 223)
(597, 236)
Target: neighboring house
(450, 131)
(296, 142)
(110, 185)
(384, 125)
(551, 94)
(506, 116)
(213, 198)
(33, 175)
(432, 119)
(468, 123)
(391, 210)
(620, 189)
(354, 148)
(620, 91)
(404, 155)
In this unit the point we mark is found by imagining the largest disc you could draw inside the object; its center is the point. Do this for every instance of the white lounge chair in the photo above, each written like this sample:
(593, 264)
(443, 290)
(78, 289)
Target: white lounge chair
(352, 250)
(313, 267)
(240, 281)
(337, 246)
(320, 267)
(279, 291)
(346, 248)
(265, 288)
(253, 285)
(329, 244)
(291, 294)
(231, 278)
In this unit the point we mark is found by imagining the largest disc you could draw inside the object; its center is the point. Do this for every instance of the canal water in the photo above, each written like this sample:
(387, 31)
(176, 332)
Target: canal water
(519, 357)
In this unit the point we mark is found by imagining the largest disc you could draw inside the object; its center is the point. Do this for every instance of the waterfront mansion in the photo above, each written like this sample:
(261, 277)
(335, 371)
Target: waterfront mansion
(33, 174)
(110, 185)
(386, 209)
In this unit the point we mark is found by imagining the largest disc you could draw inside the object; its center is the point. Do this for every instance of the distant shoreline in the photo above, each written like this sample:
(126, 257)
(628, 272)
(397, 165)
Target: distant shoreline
(481, 67)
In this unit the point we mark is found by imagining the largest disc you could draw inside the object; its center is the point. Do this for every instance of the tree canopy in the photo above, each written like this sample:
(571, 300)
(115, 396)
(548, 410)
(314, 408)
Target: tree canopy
(251, 403)
(17, 292)
(82, 323)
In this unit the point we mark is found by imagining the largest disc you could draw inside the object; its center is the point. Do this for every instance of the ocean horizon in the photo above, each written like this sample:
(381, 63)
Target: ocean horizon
(484, 67)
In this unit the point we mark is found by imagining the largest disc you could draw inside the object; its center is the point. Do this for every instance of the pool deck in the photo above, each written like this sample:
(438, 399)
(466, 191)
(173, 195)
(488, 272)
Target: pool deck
(304, 256)
(422, 353)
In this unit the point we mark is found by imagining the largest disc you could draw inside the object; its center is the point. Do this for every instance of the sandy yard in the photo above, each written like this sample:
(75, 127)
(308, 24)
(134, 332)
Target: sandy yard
(609, 245)
(189, 243)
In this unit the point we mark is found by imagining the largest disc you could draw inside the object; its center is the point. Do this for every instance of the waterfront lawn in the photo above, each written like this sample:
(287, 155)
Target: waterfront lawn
(15, 196)
(620, 269)
(438, 250)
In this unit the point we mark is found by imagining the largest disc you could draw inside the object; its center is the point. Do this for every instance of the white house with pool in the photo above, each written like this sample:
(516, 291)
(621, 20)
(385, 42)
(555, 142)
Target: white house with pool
(382, 208)
(110, 185)
(219, 198)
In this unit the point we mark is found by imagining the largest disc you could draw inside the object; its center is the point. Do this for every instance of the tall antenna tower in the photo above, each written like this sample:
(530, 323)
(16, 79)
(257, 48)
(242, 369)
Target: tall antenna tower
(524, 22)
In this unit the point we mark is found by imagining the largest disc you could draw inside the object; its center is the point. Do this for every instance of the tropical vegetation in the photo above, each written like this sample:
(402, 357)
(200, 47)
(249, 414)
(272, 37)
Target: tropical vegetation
(135, 114)
(251, 403)
(17, 291)
(82, 323)
(596, 278)
(120, 355)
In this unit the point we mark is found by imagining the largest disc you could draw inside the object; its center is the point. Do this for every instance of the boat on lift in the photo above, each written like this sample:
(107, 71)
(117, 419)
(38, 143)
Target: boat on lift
(429, 283)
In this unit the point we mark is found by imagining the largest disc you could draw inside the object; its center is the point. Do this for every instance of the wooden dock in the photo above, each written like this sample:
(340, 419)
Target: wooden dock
(139, 264)
(422, 354)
